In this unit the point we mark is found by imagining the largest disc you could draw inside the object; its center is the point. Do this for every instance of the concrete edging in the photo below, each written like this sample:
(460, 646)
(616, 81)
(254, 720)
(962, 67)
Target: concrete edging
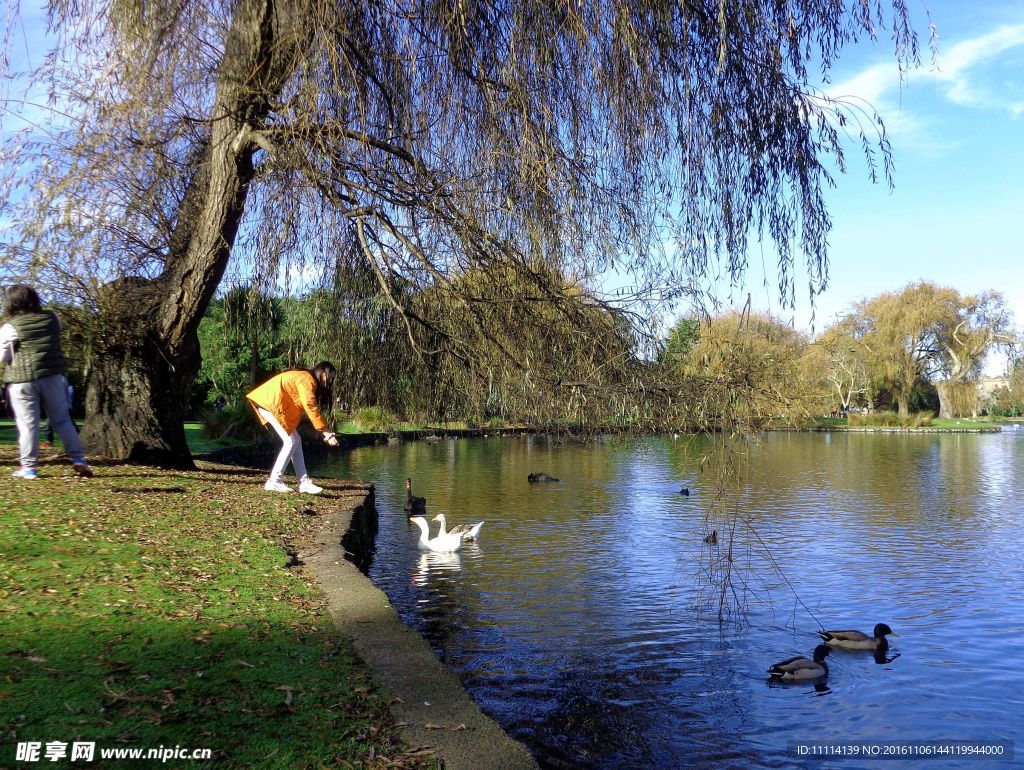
(432, 707)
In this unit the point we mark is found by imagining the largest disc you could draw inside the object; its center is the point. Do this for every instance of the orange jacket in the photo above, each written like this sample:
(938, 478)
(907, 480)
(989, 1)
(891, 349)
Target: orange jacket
(287, 396)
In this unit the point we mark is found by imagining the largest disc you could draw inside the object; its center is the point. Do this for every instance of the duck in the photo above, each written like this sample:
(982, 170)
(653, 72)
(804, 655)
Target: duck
(712, 538)
(443, 543)
(801, 668)
(858, 640)
(414, 505)
(533, 478)
(685, 491)
(468, 532)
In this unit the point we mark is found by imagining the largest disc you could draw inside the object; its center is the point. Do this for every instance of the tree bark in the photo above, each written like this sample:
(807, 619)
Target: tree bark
(903, 404)
(147, 350)
(945, 402)
(134, 401)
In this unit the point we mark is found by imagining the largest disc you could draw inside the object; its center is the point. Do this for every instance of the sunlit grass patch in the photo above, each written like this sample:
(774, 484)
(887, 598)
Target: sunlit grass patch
(149, 608)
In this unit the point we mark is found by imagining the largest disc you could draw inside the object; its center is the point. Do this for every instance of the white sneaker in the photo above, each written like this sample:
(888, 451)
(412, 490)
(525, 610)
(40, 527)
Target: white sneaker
(277, 486)
(307, 487)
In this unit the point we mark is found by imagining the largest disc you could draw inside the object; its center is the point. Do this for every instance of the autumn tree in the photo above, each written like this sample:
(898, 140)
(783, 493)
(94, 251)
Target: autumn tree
(750, 368)
(412, 141)
(930, 332)
(970, 327)
(840, 358)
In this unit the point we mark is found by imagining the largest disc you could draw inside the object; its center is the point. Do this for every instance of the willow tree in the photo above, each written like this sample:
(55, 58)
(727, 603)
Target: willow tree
(420, 139)
(971, 327)
(752, 372)
(931, 332)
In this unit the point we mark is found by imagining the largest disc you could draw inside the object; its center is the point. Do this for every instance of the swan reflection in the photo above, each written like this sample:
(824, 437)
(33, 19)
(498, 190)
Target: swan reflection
(431, 561)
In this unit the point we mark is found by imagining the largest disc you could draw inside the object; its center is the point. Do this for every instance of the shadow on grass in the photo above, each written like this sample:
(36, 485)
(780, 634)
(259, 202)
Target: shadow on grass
(145, 609)
(256, 695)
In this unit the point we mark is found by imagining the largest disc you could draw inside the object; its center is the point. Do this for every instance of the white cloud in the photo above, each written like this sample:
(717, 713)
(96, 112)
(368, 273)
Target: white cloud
(956, 72)
(983, 73)
(959, 71)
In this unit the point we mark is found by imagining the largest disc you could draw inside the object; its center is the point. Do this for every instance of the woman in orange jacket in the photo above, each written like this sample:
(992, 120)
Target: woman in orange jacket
(280, 403)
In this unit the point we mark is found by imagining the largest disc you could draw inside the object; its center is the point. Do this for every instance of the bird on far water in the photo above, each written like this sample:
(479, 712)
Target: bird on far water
(414, 505)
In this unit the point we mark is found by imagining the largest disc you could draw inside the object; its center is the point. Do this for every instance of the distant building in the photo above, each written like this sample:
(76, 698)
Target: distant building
(989, 385)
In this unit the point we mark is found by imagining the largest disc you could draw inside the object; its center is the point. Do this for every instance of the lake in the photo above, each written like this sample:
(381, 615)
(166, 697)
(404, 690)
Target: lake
(586, 621)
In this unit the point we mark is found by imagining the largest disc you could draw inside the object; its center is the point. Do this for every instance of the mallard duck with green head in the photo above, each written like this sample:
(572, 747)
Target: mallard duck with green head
(801, 668)
(858, 640)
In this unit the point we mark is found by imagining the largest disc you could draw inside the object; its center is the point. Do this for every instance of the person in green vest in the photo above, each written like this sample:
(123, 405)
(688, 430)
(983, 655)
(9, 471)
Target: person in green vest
(35, 374)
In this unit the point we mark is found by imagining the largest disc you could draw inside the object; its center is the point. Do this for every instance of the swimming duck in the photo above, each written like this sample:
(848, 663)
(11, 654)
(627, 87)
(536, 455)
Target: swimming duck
(857, 640)
(533, 478)
(468, 532)
(711, 539)
(414, 505)
(801, 668)
(443, 543)
(685, 491)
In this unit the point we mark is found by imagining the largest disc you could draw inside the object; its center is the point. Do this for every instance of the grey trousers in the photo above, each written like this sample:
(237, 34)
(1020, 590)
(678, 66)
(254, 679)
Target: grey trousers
(51, 393)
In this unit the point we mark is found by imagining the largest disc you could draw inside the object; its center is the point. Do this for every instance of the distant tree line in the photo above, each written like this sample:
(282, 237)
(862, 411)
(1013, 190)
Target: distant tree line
(919, 349)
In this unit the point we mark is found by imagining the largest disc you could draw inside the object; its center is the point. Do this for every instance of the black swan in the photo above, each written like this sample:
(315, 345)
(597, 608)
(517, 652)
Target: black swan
(414, 505)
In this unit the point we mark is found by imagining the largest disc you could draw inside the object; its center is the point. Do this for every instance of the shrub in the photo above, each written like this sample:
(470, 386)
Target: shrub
(237, 421)
(890, 420)
(374, 419)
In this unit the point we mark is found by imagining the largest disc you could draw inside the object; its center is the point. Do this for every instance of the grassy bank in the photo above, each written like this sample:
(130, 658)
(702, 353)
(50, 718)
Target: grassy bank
(144, 608)
(885, 420)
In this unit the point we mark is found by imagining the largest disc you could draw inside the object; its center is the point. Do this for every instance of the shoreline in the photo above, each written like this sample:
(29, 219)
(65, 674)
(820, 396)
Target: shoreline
(436, 715)
(246, 454)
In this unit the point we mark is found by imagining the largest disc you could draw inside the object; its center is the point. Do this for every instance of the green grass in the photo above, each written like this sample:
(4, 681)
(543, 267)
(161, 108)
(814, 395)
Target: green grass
(963, 423)
(200, 444)
(147, 608)
(193, 435)
(891, 420)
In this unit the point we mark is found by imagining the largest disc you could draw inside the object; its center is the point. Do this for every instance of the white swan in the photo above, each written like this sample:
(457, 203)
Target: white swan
(443, 543)
(468, 532)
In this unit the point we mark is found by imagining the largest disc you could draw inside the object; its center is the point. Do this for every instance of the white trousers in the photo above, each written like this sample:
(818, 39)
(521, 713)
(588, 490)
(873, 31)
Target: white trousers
(291, 449)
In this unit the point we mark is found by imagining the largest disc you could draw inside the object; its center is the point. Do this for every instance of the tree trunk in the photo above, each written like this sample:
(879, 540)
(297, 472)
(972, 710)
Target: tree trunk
(903, 404)
(147, 349)
(945, 400)
(135, 398)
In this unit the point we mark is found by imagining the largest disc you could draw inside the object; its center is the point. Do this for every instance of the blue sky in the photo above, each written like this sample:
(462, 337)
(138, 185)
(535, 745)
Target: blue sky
(957, 134)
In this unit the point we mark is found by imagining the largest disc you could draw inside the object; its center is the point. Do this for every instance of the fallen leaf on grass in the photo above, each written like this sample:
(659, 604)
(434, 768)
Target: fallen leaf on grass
(423, 751)
(288, 693)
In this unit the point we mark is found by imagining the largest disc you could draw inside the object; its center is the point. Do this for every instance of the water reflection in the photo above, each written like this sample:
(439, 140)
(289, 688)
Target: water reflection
(573, 622)
(438, 564)
(815, 689)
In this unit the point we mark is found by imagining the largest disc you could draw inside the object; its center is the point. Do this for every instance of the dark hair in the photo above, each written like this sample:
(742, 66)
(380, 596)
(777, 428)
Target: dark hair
(325, 392)
(327, 369)
(19, 299)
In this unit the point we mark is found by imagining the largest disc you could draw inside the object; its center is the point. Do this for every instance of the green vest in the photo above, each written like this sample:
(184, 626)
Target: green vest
(38, 354)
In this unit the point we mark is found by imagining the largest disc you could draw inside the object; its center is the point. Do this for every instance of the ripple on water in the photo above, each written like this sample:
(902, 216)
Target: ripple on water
(573, 623)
